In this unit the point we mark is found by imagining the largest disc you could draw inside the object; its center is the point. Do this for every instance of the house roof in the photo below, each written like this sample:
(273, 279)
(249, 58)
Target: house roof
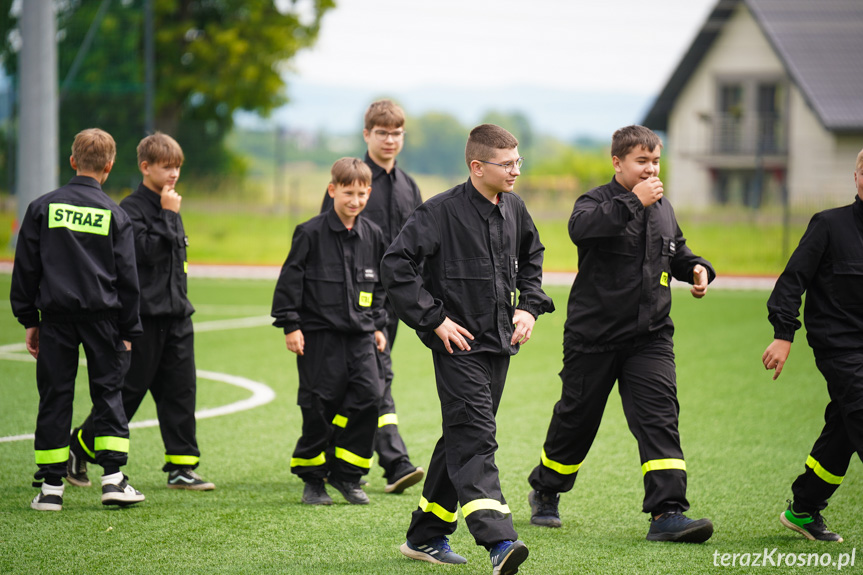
(819, 42)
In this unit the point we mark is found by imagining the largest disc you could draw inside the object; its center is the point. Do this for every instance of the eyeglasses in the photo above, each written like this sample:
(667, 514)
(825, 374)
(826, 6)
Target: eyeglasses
(507, 166)
(382, 135)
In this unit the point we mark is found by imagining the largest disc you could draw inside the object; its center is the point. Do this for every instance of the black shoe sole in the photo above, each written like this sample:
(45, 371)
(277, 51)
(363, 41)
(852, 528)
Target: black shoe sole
(408, 480)
(695, 534)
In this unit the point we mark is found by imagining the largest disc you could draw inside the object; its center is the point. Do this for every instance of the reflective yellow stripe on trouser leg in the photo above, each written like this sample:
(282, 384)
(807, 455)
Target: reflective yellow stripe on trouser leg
(822, 473)
(479, 504)
(300, 462)
(353, 458)
(662, 464)
(437, 510)
(559, 467)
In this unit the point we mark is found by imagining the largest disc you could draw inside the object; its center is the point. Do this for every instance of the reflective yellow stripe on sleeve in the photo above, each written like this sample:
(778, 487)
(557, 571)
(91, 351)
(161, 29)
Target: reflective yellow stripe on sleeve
(661, 464)
(478, 504)
(353, 458)
(300, 462)
(559, 467)
(437, 510)
(48, 456)
(182, 459)
(388, 419)
(825, 475)
(108, 443)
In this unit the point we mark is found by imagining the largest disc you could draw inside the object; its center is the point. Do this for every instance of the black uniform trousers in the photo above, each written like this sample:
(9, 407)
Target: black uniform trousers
(163, 363)
(56, 370)
(389, 445)
(338, 374)
(462, 470)
(648, 389)
(841, 437)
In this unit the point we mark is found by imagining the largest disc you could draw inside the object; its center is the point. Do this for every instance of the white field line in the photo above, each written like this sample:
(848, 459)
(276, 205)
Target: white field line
(261, 393)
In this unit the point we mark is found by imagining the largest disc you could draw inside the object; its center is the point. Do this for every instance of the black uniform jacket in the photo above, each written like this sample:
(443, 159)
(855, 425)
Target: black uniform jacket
(828, 266)
(75, 259)
(160, 252)
(626, 253)
(463, 257)
(394, 197)
(331, 278)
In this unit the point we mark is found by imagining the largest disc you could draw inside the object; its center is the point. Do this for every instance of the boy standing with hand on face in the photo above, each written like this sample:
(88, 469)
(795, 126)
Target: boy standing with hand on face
(618, 328)
(466, 273)
(163, 359)
(329, 302)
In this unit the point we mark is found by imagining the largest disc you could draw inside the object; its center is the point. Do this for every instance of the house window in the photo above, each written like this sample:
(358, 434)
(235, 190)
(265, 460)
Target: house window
(750, 118)
(752, 188)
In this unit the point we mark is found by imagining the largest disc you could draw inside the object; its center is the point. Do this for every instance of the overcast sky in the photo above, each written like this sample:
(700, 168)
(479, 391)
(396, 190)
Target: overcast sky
(570, 44)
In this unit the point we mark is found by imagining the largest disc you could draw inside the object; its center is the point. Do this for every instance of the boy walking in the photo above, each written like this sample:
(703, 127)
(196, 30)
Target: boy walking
(466, 273)
(329, 302)
(618, 329)
(395, 197)
(826, 266)
(74, 283)
(163, 359)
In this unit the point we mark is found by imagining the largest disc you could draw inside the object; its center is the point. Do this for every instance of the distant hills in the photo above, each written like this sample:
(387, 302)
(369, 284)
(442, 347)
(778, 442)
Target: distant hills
(567, 115)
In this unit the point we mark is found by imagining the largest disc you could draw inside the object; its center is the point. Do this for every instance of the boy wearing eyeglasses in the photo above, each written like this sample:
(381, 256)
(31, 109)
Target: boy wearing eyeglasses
(466, 273)
(395, 197)
(618, 329)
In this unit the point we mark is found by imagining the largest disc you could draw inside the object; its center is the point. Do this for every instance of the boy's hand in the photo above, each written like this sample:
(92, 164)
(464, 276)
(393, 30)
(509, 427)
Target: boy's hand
(295, 341)
(128, 345)
(31, 339)
(171, 200)
(649, 191)
(699, 281)
(380, 340)
(776, 355)
(524, 322)
(451, 331)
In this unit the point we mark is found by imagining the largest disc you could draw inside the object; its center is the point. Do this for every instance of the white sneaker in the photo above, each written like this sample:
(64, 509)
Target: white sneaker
(50, 498)
(117, 491)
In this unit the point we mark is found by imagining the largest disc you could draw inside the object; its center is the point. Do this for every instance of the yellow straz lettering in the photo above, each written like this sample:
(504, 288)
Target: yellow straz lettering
(80, 219)
(365, 299)
(663, 279)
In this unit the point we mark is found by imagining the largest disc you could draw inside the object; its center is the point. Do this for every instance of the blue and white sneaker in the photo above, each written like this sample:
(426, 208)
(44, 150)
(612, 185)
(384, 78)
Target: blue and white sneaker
(435, 550)
(506, 556)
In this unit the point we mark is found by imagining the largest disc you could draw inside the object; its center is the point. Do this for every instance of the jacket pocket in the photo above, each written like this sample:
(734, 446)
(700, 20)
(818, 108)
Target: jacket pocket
(325, 287)
(468, 286)
(848, 283)
(366, 279)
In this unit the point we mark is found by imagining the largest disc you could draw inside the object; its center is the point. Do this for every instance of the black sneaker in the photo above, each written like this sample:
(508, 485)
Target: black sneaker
(186, 478)
(49, 498)
(675, 526)
(435, 550)
(543, 508)
(810, 525)
(315, 493)
(351, 491)
(404, 478)
(76, 466)
(506, 557)
(117, 491)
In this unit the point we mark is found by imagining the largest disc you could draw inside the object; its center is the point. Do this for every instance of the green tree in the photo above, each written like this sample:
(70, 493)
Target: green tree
(434, 144)
(515, 122)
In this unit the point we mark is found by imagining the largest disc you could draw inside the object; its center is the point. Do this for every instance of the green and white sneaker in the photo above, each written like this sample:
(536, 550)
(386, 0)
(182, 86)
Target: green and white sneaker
(186, 478)
(810, 525)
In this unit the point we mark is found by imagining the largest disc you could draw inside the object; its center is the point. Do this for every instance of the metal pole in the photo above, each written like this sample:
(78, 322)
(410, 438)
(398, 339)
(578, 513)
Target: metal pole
(149, 70)
(38, 129)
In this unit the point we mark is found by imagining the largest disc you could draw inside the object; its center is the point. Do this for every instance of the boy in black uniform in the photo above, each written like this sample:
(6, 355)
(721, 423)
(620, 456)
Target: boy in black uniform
(826, 266)
(163, 359)
(329, 301)
(618, 329)
(395, 197)
(75, 266)
(466, 273)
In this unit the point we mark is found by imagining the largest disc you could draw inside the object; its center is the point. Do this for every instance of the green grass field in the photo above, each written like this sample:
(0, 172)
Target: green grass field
(745, 438)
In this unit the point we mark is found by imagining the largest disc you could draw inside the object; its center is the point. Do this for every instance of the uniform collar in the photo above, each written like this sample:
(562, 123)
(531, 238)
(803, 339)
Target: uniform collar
(482, 205)
(378, 170)
(858, 207)
(338, 227)
(85, 181)
(151, 196)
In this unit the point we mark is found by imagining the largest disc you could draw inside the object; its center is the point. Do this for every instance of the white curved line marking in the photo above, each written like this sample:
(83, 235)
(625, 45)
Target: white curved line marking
(261, 393)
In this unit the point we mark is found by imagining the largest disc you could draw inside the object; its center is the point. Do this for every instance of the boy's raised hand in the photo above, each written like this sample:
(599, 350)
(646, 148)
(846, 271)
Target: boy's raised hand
(295, 341)
(171, 199)
(775, 356)
(451, 331)
(699, 281)
(649, 191)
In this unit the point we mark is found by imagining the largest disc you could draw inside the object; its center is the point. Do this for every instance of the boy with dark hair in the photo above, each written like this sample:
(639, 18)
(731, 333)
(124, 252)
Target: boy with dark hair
(827, 267)
(466, 273)
(75, 267)
(618, 328)
(329, 301)
(395, 197)
(163, 359)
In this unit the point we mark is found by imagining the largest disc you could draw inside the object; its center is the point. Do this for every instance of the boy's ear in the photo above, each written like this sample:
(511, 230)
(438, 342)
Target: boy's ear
(615, 161)
(144, 167)
(331, 190)
(74, 164)
(476, 168)
(369, 191)
(108, 167)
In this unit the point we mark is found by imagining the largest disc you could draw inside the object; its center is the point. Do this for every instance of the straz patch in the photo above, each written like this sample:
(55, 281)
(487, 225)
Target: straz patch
(663, 279)
(79, 219)
(365, 299)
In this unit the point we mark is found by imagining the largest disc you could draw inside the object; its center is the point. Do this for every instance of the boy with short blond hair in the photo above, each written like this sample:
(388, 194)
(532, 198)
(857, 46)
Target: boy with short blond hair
(163, 359)
(618, 328)
(329, 302)
(74, 284)
(826, 267)
(395, 197)
(466, 273)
